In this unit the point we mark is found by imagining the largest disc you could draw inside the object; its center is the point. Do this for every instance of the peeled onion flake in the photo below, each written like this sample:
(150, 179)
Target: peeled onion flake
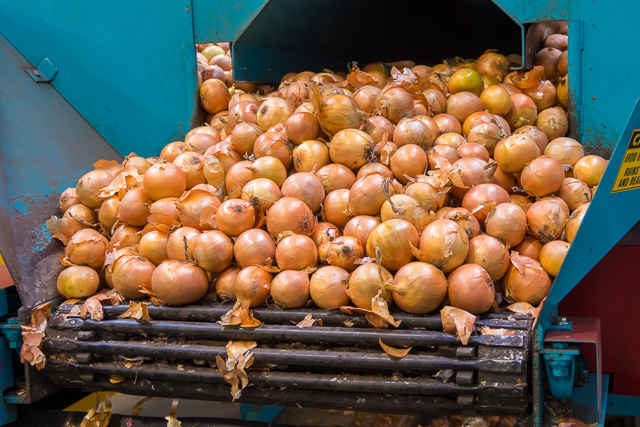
(239, 358)
(136, 310)
(496, 331)
(124, 179)
(32, 336)
(378, 316)
(526, 308)
(63, 228)
(309, 322)
(240, 315)
(457, 322)
(394, 352)
(529, 79)
(93, 305)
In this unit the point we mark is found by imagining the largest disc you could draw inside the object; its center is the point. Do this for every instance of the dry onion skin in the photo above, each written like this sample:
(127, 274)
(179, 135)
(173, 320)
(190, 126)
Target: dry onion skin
(366, 282)
(328, 287)
(471, 289)
(552, 256)
(526, 281)
(419, 288)
(444, 244)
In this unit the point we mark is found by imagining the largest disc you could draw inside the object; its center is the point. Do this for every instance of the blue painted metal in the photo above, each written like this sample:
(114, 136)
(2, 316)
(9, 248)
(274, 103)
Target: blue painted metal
(619, 404)
(223, 21)
(129, 68)
(583, 399)
(45, 72)
(262, 413)
(7, 411)
(560, 363)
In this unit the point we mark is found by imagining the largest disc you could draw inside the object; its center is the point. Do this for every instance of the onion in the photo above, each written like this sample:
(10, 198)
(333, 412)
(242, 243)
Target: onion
(306, 187)
(444, 244)
(441, 153)
(435, 100)
(252, 284)
(290, 289)
(562, 91)
(365, 283)
(164, 180)
(261, 192)
(344, 251)
(67, 199)
(469, 223)
(553, 122)
(179, 283)
(510, 88)
(213, 251)
(523, 111)
(123, 236)
(153, 246)
(254, 247)
(301, 127)
(496, 99)
(275, 145)
(574, 193)
(235, 216)
(214, 95)
(90, 186)
(328, 287)
(476, 119)
(573, 224)
(134, 207)
(507, 222)
(472, 171)
(295, 93)
(243, 137)
(552, 256)
(548, 58)
(273, 110)
(191, 164)
(557, 41)
(361, 227)
(419, 288)
(289, 214)
(563, 63)
(590, 169)
(78, 282)
(465, 79)
(352, 148)
(167, 207)
(310, 155)
(542, 176)
(336, 208)
(197, 209)
(379, 128)
(86, 216)
(526, 281)
(462, 104)
(393, 102)
(543, 95)
(129, 273)
(374, 168)
(448, 124)
(325, 232)
(472, 149)
(407, 208)
(471, 289)
(484, 197)
(336, 177)
(514, 152)
(365, 96)
(108, 212)
(367, 194)
(270, 168)
(340, 112)
(426, 195)
(546, 220)
(490, 254)
(394, 239)
(224, 284)
(493, 64)
(561, 202)
(538, 136)
(413, 131)
(201, 142)
(86, 247)
(565, 150)
(530, 247)
(171, 151)
(296, 252)
(522, 201)
(180, 243)
(408, 162)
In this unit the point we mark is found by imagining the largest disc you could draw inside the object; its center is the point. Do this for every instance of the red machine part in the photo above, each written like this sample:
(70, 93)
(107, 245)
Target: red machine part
(611, 292)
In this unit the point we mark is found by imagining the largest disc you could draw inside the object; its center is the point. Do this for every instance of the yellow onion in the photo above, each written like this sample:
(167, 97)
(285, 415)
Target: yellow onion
(552, 256)
(301, 127)
(367, 195)
(415, 132)
(87, 247)
(275, 145)
(203, 130)
(289, 214)
(67, 199)
(393, 102)
(179, 283)
(526, 281)
(471, 171)
(90, 186)
(522, 201)
(486, 134)
(224, 284)
(440, 153)
(542, 176)
(514, 152)
(310, 155)
(394, 239)
(493, 64)
(197, 209)
(214, 95)
(426, 195)
(352, 148)
(496, 99)
(471, 289)
(254, 247)
(574, 193)
(134, 207)
(78, 282)
(344, 251)
(543, 95)
(252, 284)
(365, 96)
(530, 247)
(466, 79)
(244, 136)
(336, 208)
(167, 207)
(270, 168)
(407, 208)
(293, 92)
(435, 100)
(472, 149)
(573, 224)
(462, 104)
(220, 122)
(444, 244)
(325, 232)
(108, 212)
(538, 136)
(180, 243)
(490, 254)
(484, 197)
(213, 251)
(306, 187)
(562, 204)
(590, 169)
(378, 128)
(129, 273)
(191, 164)
(523, 111)
(451, 139)
(261, 192)
(235, 216)
(339, 112)
(565, 150)
(476, 119)
(242, 112)
(546, 220)
(469, 223)
(408, 162)
(507, 222)
(365, 283)
(328, 287)
(374, 167)
(336, 177)
(200, 142)
(224, 152)
(213, 171)
(323, 250)
(290, 289)
(419, 288)
(171, 151)
(562, 91)
(361, 227)
(553, 122)
(238, 176)
(296, 252)
(123, 236)
(153, 246)
(86, 216)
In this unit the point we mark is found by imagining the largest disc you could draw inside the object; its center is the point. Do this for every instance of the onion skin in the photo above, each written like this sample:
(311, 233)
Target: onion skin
(490, 254)
(425, 194)
(254, 247)
(306, 187)
(272, 111)
(325, 232)
(310, 155)
(213, 251)
(523, 111)
(261, 192)
(296, 252)
(574, 192)
(171, 151)
(224, 284)
(179, 283)
(394, 239)
(413, 131)
(471, 289)
(129, 273)
(87, 247)
(351, 147)
(439, 153)
(530, 247)
(407, 208)
(123, 236)
(191, 164)
(340, 112)
(290, 289)
(489, 194)
(590, 169)
(553, 122)
(366, 196)
(90, 186)
(336, 177)
(408, 162)
(153, 246)
(531, 285)
(444, 244)
(552, 256)
(573, 224)
(344, 251)
(235, 216)
(538, 136)
(78, 282)
(67, 199)
(192, 205)
(166, 206)
(377, 127)
(289, 214)
(469, 223)
(252, 284)
(328, 287)
(514, 152)
(546, 220)
(507, 222)
(393, 101)
(364, 284)
(176, 243)
(419, 288)
(361, 227)
(567, 151)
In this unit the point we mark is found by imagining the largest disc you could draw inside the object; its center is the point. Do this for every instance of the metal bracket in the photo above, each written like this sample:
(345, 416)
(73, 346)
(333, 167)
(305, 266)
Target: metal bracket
(45, 72)
(561, 365)
(13, 332)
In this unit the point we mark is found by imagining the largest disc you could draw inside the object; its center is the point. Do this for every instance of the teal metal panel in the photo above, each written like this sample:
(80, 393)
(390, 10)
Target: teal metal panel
(223, 20)
(128, 67)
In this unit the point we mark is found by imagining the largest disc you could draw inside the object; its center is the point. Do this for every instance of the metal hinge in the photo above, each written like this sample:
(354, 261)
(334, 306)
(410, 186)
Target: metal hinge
(45, 72)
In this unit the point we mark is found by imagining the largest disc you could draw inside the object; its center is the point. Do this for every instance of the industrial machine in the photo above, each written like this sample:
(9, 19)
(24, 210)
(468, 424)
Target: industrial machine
(83, 81)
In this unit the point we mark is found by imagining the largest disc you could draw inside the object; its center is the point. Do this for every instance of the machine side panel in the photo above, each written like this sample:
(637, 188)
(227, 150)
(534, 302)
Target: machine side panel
(223, 21)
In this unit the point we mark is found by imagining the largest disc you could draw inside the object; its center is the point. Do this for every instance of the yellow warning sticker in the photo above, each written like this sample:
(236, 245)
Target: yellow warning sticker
(1, 260)
(629, 174)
